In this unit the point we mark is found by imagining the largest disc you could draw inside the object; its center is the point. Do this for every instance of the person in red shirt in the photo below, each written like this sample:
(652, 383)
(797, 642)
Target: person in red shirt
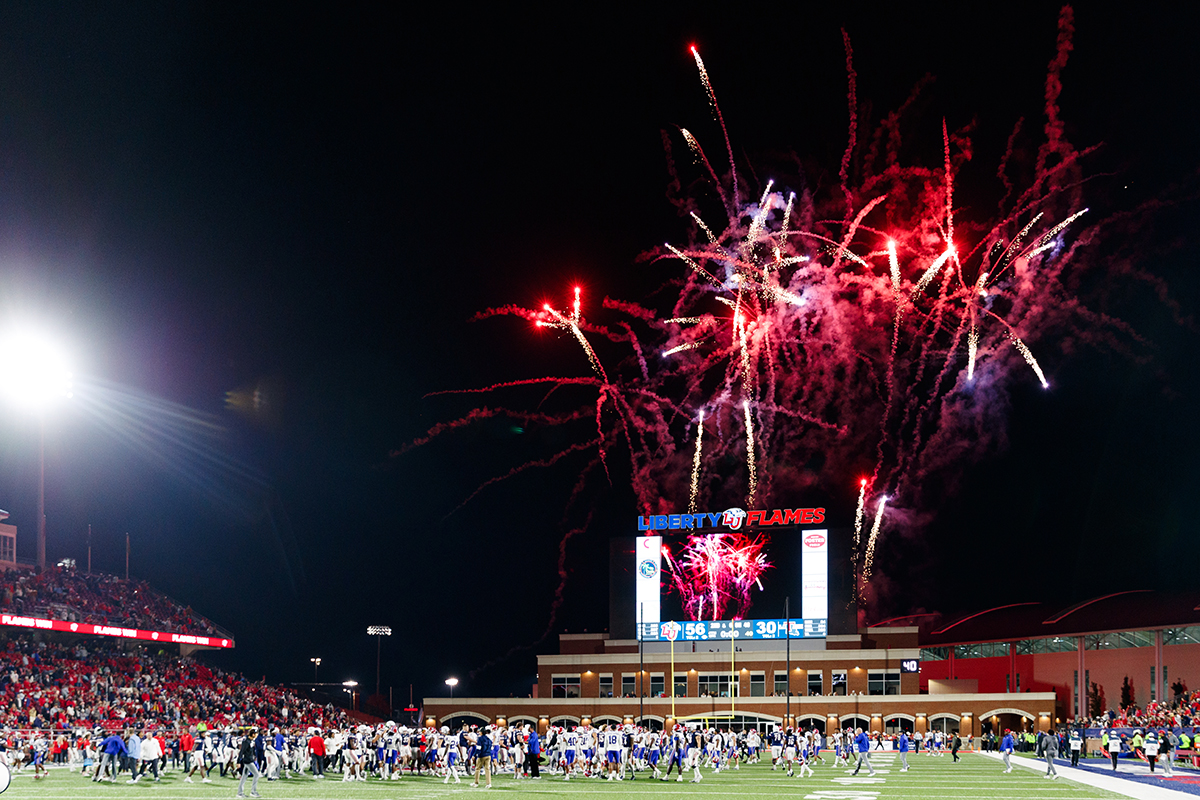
(316, 748)
(186, 742)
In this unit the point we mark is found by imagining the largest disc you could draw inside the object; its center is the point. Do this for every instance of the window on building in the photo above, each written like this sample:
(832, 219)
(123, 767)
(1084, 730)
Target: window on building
(564, 686)
(837, 682)
(658, 685)
(1109, 641)
(681, 684)
(758, 684)
(8, 548)
(816, 684)
(716, 685)
(893, 726)
(935, 653)
(1189, 635)
(781, 684)
(628, 685)
(981, 650)
(606, 685)
(1050, 644)
(883, 682)
(1153, 685)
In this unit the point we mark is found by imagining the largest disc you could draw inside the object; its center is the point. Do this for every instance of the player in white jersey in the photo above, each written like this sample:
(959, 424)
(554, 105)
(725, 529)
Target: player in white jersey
(448, 750)
(804, 754)
(653, 752)
(611, 739)
(570, 741)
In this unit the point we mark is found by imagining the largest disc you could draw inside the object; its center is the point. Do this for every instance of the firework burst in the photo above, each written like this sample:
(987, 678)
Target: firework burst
(870, 330)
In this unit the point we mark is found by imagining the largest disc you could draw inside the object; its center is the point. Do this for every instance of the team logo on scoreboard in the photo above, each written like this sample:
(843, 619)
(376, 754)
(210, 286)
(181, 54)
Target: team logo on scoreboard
(648, 568)
(670, 630)
(733, 518)
(814, 540)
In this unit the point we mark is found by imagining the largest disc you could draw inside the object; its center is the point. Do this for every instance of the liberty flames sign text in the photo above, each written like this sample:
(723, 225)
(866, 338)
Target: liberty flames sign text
(732, 518)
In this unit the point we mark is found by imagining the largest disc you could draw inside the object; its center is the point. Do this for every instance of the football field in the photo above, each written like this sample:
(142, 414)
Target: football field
(976, 776)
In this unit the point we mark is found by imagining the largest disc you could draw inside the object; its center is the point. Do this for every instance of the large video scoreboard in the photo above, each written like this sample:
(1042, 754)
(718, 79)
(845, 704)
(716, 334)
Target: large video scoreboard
(732, 575)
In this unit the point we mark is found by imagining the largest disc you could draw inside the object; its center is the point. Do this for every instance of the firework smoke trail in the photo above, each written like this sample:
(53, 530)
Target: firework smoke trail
(893, 264)
(751, 466)
(858, 512)
(972, 348)
(869, 556)
(572, 324)
(789, 313)
(1023, 349)
(712, 98)
(707, 231)
(929, 274)
(679, 348)
(698, 152)
(696, 464)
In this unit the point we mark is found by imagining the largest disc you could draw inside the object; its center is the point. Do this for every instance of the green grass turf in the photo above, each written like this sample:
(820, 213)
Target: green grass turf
(930, 778)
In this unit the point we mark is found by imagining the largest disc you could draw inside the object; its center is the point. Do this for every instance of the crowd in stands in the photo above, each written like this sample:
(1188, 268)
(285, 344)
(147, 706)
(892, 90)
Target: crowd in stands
(53, 686)
(1184, 711)
(68, 594)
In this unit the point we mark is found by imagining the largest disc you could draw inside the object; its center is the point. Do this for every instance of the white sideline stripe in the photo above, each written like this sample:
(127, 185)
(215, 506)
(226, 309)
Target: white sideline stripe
(1134, 789)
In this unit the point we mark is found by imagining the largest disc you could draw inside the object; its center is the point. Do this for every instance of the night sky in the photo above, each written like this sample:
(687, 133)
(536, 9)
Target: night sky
(262, 232)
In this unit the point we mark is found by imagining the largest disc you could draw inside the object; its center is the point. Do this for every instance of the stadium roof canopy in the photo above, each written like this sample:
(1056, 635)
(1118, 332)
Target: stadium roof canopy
(1114, 611)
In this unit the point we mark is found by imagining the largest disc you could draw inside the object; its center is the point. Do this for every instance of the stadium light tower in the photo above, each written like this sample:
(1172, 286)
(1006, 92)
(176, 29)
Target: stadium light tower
(452, 682)
(316, 662)
(33, 372)
(378, 631)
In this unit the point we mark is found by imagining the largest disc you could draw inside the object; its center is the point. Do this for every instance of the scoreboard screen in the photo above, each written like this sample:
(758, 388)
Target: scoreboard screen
(732, 584)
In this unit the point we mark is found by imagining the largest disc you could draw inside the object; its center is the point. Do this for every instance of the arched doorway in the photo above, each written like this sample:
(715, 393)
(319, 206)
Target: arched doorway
(946, 723)
(1016, 720)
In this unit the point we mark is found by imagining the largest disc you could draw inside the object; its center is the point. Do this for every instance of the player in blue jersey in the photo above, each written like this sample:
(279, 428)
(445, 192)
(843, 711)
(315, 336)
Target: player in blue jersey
(695, 753)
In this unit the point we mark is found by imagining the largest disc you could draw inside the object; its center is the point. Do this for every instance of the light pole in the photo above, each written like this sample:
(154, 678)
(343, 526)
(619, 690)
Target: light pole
(378, 631)
(452, 682)
(316, 662)
(33, 372)
(350, 690)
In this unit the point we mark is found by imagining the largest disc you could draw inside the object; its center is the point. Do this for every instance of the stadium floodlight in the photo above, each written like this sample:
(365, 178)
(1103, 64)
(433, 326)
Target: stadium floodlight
(378, 631)
(349, 683)
(452, 682)
(33, 372)
(316, 662)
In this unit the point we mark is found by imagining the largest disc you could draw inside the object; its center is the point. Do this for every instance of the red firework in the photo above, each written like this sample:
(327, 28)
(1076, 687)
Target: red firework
(815, 336)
